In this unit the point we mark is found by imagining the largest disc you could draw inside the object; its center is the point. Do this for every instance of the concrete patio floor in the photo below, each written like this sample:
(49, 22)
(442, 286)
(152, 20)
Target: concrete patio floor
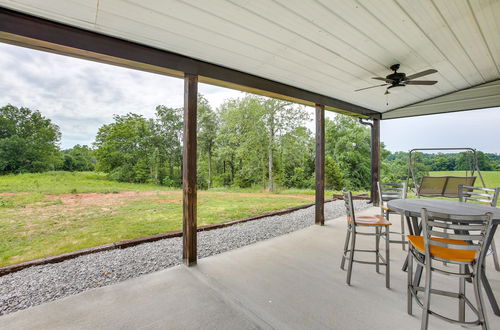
(289, 282)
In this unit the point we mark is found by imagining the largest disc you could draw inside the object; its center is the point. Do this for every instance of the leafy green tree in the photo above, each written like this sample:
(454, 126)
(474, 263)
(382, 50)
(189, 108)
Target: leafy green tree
(167, 156)
(279, 117)
(395, 167)
(208, 126)
(249, 143)
(333, 176)
(296, 158)
(123, 148)
(78, 158)
(28, 141)
(242, 142)
(348, 144)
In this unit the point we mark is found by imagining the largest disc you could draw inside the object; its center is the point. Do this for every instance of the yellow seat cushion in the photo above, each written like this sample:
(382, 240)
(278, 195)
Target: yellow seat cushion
(444, 253)
(385, 208)
(371, 220)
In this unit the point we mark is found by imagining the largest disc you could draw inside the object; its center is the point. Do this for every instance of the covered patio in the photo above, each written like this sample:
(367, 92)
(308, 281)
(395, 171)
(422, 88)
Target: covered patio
(289, 282)
(316, 54)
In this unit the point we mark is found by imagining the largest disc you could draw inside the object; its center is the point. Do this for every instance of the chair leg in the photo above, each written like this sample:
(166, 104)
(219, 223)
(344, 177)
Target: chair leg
(444, 262)
(427, 296)
(495, 255)
(351, 258)
(377, 244)
(476, 282)
(346, 246)
(409, 270)
(461, 295)
(387, 260)
(403, 238)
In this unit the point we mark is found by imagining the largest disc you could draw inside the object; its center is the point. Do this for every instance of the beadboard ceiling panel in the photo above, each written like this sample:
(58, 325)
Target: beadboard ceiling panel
(329, 47)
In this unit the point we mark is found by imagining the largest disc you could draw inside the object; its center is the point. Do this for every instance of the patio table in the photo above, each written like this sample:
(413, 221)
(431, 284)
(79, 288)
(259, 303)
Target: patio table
(411, 209)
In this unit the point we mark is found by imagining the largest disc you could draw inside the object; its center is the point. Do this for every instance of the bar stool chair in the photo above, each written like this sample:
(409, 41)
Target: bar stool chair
(376, 222)
(387, 192)
(482, 195)
(464, 248)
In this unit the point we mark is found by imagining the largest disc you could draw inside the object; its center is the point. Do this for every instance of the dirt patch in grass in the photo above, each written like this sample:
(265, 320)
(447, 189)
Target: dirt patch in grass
(10, 194)
(86, 204)
(107, 200)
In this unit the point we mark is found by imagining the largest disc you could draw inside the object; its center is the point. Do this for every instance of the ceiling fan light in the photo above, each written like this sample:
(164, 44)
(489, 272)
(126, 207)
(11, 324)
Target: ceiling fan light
(395, 89)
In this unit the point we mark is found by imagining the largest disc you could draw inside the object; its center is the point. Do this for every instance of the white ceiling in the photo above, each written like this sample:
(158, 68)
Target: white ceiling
(330, 47)
(477, 97)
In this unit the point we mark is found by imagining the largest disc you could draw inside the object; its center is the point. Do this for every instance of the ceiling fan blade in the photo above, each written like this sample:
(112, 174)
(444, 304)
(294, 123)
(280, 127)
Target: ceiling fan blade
(421, 74)
(389, 81)
(421, 82)
(361, 89)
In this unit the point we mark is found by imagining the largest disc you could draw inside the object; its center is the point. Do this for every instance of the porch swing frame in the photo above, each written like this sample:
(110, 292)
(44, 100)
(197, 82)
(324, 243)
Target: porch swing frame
(449, 184)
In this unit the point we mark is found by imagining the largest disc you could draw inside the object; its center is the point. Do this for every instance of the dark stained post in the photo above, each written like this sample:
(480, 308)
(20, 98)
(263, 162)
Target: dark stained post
(320, 165)
(375, 163)
(189, 234)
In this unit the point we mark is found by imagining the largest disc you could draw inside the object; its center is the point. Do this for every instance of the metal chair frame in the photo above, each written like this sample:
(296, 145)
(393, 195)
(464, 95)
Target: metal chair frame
(434, 225)
(482, 195)
(387, 192)
(352, 232)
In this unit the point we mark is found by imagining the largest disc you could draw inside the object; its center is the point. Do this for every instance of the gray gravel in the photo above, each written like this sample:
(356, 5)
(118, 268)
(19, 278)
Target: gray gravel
(39, 284)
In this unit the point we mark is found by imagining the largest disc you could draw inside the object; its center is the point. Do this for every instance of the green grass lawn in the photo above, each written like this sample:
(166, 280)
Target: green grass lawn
(59, 182)
(491, 178)
(50, 213)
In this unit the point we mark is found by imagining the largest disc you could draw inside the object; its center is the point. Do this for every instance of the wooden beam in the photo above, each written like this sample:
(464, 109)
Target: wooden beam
(189, 226)
(320, 165)
(38, 33)
(375, 160)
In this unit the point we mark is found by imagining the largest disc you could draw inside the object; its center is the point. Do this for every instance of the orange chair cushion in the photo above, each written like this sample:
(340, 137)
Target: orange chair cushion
(444, 253)
(385, 208)
(371, 220)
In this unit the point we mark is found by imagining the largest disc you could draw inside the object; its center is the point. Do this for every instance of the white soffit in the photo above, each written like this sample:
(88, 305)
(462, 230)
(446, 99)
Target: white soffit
(478, 97)
(329, 47)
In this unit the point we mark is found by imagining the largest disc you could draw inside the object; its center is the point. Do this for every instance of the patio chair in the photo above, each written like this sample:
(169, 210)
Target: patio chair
(387, 192)
(482, 195)
(376, 222)
(464, 248)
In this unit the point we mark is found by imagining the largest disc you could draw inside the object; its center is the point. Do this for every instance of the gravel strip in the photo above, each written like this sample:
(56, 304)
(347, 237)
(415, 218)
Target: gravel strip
(39, 284)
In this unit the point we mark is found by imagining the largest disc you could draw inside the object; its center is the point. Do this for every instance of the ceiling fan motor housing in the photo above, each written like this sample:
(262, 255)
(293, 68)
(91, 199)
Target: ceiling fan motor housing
(397, 77)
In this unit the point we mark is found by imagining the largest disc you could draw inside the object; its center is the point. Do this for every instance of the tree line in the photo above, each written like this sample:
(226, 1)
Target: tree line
(246, 142)
(395, 165)
(29, 143)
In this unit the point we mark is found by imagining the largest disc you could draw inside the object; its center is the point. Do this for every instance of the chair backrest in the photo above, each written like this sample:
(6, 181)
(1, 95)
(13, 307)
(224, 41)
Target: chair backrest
(390, 191)
(478, 194)
(349, 206)
(451, 189)
(443, 186)
(471, 228)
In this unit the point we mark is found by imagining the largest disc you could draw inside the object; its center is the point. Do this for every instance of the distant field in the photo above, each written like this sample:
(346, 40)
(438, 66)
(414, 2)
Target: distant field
(491, 178)
(50, 213)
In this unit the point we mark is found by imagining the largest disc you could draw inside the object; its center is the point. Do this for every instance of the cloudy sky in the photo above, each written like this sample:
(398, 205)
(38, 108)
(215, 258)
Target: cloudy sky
(80, 96)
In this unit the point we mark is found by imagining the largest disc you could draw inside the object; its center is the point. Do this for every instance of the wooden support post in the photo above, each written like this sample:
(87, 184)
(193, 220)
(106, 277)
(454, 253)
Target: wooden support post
(189, 227)
(320, 165)
(375, 161)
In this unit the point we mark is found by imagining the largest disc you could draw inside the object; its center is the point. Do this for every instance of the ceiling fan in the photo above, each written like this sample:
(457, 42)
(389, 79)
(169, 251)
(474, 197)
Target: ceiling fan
(397, 80)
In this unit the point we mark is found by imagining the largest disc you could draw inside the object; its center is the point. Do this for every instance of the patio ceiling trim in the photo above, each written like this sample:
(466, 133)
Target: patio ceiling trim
(478, 97)
(33, 32)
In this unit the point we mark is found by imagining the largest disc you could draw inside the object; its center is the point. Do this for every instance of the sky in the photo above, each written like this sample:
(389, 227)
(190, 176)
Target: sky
(80, 96)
